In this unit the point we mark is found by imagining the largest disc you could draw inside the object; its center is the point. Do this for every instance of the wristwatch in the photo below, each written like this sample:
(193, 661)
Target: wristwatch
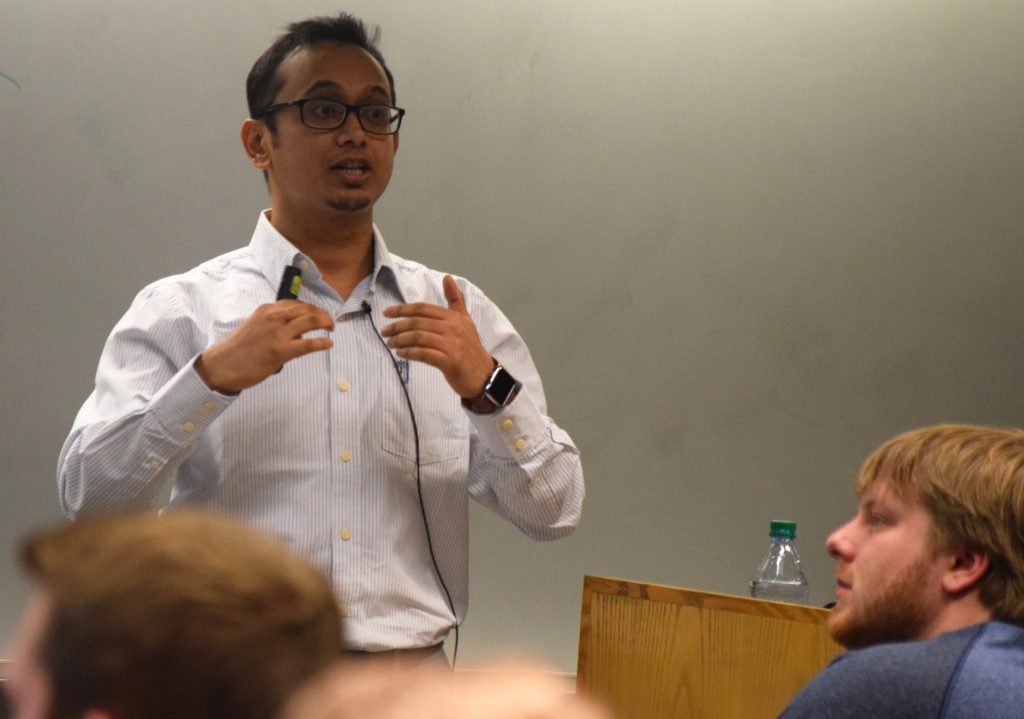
(499, 390)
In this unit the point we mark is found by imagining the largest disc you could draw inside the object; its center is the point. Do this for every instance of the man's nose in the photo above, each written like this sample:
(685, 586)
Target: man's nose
(839, 544)
(351, 129)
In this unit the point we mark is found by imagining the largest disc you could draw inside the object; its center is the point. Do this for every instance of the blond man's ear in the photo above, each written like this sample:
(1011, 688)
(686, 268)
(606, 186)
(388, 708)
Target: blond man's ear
(966, 569)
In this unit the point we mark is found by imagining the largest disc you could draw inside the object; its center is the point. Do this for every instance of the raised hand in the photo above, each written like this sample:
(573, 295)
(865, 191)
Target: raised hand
(442, 337)
(269, 337)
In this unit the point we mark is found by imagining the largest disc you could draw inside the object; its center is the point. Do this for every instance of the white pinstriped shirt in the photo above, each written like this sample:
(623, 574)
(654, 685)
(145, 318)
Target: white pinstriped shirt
(323, 453)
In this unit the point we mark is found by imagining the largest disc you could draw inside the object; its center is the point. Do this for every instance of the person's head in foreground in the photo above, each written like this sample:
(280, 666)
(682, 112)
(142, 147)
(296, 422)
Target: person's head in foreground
(180, 615)
(930, 580)
(376, 691)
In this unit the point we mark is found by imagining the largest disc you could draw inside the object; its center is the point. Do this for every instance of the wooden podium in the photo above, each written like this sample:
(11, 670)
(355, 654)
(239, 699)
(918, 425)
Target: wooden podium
(656, 652)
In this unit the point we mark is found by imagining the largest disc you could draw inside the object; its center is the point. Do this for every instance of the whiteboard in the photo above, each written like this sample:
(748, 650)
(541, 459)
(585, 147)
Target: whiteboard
(745, 241)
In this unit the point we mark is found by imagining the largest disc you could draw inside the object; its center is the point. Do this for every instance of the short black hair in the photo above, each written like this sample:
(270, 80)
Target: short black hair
(263, 82)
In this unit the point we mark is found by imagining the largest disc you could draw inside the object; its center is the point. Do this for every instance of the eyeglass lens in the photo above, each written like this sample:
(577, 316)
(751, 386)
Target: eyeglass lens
(327, 115)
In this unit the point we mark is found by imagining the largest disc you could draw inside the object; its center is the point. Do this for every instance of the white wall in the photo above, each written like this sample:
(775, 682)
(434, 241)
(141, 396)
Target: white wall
(746, 241)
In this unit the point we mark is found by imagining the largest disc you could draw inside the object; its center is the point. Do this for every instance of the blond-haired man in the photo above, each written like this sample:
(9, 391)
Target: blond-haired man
(149, 617)
(930, 582)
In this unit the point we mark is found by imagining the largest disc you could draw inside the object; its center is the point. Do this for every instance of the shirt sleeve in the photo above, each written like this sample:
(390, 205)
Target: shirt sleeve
(145, 415)
(902, 680)
(522, 465)
(835, 693)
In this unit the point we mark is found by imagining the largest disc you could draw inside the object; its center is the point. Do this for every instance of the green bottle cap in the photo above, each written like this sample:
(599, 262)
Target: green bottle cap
(783, 528)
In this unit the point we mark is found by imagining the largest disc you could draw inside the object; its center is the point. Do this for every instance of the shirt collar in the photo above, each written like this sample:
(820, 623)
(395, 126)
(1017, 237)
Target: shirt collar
(271, 251)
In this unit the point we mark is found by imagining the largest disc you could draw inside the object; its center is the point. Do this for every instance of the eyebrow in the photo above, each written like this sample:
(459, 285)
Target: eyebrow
(883, 504)
(329, 85)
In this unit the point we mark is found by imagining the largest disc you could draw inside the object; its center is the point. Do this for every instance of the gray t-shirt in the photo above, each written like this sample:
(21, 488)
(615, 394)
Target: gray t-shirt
(973, 672)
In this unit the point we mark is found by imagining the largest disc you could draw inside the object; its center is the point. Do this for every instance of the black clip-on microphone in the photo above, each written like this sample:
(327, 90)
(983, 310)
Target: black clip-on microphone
(291, 281)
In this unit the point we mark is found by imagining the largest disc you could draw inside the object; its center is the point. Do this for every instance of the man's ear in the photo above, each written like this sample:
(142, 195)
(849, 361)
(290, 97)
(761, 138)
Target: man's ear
(256, 141)
(965, 570)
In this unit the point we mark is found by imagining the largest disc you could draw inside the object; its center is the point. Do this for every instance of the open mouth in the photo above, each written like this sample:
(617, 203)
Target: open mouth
(352, 171)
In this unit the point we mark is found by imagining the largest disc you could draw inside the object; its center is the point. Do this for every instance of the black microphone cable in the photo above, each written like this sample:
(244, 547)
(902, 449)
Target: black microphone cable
(419, 485)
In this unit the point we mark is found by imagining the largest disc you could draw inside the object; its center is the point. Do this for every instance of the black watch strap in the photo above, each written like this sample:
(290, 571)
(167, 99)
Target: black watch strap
(499, 389)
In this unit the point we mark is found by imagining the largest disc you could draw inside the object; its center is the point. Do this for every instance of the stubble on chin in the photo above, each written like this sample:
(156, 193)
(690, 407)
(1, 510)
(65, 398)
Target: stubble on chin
(898, 613)
(357, 205)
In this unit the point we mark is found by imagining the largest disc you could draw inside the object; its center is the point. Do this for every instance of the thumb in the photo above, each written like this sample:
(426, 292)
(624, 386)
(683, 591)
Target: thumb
(453, 295)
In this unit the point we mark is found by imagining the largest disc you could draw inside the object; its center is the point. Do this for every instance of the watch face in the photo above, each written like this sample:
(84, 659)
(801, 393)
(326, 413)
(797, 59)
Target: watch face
(501, 387)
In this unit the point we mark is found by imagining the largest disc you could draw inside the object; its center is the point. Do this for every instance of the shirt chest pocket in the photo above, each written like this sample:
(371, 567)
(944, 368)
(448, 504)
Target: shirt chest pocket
(441, 429)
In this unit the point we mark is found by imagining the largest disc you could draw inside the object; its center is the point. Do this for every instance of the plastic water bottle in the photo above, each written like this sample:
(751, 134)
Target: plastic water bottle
(778, 576)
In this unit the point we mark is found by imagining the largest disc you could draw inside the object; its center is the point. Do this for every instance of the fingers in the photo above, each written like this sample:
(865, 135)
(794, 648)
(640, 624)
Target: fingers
(301, 314)
(415, 309)
(271, 336)
(309, 321)
(442, 337)
(453, 294)
(298, 318)
(433, 357)
(414, 324)
(401, 339)
(304, 346)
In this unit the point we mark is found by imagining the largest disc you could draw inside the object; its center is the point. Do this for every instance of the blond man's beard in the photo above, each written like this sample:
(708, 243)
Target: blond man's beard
(899, 612)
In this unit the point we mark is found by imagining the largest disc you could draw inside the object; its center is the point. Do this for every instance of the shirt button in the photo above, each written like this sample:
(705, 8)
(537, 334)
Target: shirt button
(209, 406)
(343, 385)
(520, 443)
(346, 456)
(507, 424)
(303, 264)
(345, 534)
(343, 610)
(189, 427)
(155, 464)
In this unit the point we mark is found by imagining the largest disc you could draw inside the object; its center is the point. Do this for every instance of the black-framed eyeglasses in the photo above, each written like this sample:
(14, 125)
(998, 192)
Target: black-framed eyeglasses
(330, 115)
